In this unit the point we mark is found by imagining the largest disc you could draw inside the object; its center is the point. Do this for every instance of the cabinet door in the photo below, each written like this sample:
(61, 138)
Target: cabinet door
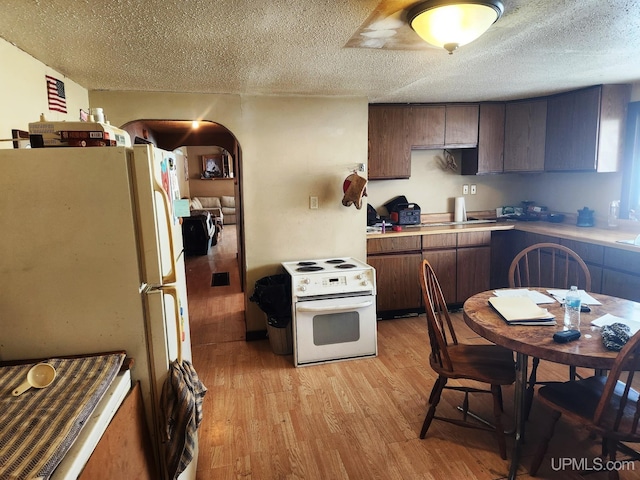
(389, 149)
(443, 263)
(474, 271)
(572, 130)
(461, 126)
(524, 136)
(398, 284)
(489, 156)
(426, 126)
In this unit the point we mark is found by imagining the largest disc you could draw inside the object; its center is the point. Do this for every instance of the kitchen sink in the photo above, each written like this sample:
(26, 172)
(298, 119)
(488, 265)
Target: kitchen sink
(634, 241)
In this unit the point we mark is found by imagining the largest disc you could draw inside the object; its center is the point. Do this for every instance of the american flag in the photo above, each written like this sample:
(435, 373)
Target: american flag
(55, 94)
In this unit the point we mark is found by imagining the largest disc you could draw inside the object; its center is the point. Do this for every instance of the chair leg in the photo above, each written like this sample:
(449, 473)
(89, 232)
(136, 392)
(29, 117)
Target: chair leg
(433, 390)
(544, 444)
(531, 387)
(497, 412)
(611, 448)
(434, 400)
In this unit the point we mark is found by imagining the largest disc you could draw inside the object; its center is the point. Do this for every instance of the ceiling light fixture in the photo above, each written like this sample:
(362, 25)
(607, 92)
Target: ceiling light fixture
(450, 24)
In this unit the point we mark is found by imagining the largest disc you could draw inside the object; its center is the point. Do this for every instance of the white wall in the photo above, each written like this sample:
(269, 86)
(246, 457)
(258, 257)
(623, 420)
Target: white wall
(23, 92)
(292, 148)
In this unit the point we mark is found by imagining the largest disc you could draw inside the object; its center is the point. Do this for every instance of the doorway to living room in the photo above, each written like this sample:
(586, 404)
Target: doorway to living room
(216, 312)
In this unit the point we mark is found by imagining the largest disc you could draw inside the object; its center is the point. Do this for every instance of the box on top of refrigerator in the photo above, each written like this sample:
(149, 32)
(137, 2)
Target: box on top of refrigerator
(66, 134)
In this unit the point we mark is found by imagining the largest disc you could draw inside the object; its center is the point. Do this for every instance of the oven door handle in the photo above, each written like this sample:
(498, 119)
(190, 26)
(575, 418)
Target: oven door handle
(335, 308)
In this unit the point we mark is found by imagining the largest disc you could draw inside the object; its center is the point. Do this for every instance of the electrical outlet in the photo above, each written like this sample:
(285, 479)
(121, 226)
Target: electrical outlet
(465, 189)
(473, 190)
(313, 203)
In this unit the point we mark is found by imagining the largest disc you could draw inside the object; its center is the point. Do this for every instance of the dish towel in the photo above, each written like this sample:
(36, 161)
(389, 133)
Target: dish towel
(181, 403)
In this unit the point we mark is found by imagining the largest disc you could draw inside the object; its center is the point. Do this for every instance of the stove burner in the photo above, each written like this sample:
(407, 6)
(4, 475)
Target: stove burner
(335, 260)
(346, 265)
(306, 264)
(309, 268)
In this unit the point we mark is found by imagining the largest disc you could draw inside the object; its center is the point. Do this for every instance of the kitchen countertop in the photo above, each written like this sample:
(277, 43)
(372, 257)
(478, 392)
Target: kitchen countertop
(607, 237)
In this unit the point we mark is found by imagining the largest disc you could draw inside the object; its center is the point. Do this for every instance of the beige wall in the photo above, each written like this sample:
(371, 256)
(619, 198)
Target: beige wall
(292, 147)
(435, 190)
(23, 92)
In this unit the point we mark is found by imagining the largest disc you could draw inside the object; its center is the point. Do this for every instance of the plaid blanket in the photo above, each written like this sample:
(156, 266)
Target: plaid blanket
(38, 427)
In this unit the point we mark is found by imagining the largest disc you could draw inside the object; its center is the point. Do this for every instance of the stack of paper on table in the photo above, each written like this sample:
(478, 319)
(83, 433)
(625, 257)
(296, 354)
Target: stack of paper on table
(609, 319)
(585, 298)
(521, 311)
(534, 295)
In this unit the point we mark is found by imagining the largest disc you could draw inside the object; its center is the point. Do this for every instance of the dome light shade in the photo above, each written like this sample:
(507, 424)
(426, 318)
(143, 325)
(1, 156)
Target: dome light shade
(450, 24)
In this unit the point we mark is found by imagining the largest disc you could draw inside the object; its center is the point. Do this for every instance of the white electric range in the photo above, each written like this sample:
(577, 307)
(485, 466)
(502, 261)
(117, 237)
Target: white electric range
(333, 310)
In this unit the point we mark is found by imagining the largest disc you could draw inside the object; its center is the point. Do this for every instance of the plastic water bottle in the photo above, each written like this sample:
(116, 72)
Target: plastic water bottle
(572, 309)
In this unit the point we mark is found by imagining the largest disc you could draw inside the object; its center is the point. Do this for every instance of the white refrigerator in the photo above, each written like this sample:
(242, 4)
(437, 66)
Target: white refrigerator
(91, 260)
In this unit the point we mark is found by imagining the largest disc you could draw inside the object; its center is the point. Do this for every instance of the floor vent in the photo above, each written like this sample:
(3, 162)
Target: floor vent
(220, 279)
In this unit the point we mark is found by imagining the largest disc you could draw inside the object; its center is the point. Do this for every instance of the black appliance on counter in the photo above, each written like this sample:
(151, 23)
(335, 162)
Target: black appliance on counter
(402, 212)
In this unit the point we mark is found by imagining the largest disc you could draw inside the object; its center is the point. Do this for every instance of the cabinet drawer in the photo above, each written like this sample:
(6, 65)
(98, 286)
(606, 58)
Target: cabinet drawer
(468, 239)
(441, 240)
(588, 252)
(394, 245)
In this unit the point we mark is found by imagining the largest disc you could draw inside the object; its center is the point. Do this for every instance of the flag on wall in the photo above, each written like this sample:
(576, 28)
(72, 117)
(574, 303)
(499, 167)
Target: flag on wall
(55, 94)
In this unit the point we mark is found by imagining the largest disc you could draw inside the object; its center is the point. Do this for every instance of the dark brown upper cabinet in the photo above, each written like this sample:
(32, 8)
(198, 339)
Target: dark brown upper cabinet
(489, 156)
(389, 147)
(585, 129)
(461, 126)
(524, 135)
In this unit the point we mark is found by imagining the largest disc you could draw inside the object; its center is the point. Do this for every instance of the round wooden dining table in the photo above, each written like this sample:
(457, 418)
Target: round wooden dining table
(537, 341)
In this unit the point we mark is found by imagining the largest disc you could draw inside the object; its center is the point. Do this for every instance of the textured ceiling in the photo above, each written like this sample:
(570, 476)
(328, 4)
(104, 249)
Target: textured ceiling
(317, 47)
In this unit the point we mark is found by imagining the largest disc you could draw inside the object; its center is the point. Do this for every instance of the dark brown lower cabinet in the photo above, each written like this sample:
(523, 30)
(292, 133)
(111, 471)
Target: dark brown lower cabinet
(397, 281)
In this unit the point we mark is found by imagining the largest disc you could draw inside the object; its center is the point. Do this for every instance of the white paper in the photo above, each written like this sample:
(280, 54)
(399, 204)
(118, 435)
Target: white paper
(609, 319)
(585, 298)
(534, 295)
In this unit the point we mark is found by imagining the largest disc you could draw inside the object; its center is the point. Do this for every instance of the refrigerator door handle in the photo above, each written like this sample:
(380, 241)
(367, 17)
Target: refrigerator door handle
(173, 291)
(171, 276)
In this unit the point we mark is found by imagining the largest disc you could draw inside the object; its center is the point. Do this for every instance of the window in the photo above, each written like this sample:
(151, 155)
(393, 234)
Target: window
(630, 201)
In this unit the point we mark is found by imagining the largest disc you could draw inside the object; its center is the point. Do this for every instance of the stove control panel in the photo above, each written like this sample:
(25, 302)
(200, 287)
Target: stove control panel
(334, 284)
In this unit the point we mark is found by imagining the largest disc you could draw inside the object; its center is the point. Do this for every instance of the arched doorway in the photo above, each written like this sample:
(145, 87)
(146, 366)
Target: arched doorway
(171, 135)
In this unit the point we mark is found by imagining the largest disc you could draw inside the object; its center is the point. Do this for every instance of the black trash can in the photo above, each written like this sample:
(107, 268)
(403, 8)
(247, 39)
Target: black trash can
(273, 296)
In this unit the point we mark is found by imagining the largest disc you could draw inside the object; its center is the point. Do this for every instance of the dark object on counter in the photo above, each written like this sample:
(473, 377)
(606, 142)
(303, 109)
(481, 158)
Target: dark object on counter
(585, 218)
(392, 204)
(527, 217)
(406, 214)
(372, 215)
(555, 217)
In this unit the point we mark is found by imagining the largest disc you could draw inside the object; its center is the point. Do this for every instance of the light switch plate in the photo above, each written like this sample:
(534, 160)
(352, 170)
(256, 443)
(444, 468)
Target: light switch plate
(313, 203)
(473, 190)
(465, 189)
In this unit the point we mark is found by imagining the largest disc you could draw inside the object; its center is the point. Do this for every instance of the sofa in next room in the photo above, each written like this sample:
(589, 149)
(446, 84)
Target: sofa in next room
(222, 208)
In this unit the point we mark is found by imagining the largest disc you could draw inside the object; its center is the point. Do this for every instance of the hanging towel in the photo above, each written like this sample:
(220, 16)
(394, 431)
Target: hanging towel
(181, 403)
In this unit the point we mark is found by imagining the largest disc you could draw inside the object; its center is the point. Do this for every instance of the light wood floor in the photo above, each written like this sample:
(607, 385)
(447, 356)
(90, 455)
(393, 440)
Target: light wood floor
(360, 419)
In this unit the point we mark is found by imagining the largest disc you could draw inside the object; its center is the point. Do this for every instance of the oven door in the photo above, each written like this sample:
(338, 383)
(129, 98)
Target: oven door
(335, 329)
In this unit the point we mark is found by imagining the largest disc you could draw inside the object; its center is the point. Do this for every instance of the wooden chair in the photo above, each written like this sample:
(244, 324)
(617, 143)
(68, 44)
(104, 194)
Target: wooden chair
(488, 364)
(607, 406)
(547, 265)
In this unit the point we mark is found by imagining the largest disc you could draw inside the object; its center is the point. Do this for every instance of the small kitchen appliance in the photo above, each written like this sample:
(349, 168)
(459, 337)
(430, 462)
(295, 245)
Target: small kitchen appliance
(333, 310)
(585, 218)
